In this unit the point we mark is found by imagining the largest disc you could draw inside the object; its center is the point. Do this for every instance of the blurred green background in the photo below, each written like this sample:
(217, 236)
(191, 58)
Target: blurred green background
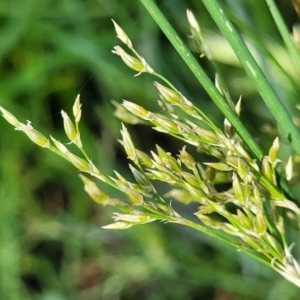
(52, 246)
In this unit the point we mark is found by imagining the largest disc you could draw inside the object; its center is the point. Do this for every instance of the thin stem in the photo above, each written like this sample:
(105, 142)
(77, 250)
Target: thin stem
(84, 153)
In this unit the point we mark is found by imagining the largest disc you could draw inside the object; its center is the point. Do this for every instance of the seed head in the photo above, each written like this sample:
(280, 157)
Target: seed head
(242, 169)
(77, 109)
(192, 21)
(156, 158)
(266, 169)
(117, 225)
(128, 144)
(10, 118)
(204, 209)
(243, 153)
(93, 191)
(238, 189)
(135, 109)
(180, 195)
(238, 106)
(139, 176)
(260, 223)
(132, 62)
(274, 243)
(144, 159)
(163, 155)
(164, 123)
(219, 85)
(134, 196)
(168, 94)
(124, 115)
(189, 110)
(273, 152)
(256, 196)
(289, 169)
(228, 129)
(219, 166)
(167, 107)
(61, 147)
(37, 137)
(174, 164)
(122, 183)
(78, 162)
(122, 35)
(69, 127)
(163, 176)
(210, 222)
(210, 174)
(190, 178)
(187, 159)
(207, 136)
(244, 220)
(196, 193)
(136, 217)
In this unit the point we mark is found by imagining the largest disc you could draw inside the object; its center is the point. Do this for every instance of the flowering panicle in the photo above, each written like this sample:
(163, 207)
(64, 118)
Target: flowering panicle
(248, 205)
(252, 185)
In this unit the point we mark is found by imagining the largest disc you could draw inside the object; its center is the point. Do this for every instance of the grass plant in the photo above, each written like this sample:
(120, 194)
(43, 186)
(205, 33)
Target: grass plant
(239, 194)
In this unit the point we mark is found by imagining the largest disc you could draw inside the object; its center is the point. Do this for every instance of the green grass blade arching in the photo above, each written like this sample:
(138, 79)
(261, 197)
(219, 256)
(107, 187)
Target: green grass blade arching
(284, 33)
(255, 74)
(201, 76)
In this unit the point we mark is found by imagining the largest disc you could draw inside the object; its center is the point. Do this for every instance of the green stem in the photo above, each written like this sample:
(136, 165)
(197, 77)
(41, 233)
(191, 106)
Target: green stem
(84, 153)
(279, 112)
(202, 76)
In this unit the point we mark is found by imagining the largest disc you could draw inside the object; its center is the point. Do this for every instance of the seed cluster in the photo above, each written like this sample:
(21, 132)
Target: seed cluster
(250, 214)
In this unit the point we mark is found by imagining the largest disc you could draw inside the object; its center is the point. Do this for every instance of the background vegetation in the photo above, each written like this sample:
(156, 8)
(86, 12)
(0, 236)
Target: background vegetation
(52, 245)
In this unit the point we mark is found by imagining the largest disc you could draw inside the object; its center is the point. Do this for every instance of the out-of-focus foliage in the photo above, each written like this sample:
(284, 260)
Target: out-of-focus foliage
(51, 243)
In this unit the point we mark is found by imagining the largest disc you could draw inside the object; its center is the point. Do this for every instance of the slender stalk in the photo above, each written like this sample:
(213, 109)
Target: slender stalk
(202, 76)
